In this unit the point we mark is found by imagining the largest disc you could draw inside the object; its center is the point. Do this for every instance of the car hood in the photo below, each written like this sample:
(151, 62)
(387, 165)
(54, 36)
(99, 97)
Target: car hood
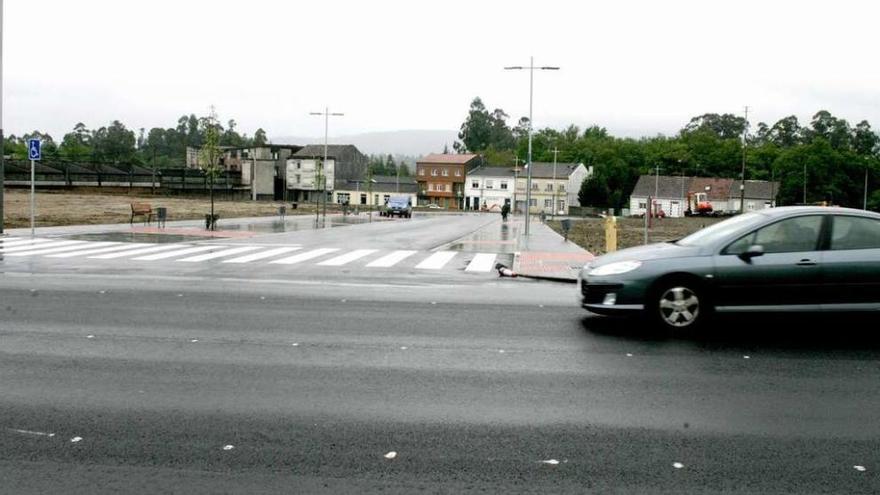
(663, 250)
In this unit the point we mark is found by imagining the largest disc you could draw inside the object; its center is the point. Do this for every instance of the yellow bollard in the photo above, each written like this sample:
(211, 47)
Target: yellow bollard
(610, 234)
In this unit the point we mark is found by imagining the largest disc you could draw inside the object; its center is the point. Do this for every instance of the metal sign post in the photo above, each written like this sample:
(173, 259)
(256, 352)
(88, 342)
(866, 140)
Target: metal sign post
(34, 153)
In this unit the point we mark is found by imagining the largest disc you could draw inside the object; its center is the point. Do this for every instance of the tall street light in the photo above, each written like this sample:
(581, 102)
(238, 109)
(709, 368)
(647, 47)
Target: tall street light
(2, 172)
(531, 68)
(326, 113)
(742, 183)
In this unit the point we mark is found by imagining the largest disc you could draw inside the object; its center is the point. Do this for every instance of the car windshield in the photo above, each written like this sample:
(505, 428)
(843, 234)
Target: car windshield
(709, 234)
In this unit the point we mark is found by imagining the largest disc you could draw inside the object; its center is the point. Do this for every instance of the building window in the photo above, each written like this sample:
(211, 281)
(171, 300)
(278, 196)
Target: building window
(363, 198)
(548, 188)
(434, 172)
(561, 187)
(504, 185)
(643, 205)
(475, 184)
(490, 184)
(561, 205)
(343, 198)
(375, 199)
(457, 173)
(548, 203)
(445, 172)
(421, 171)
(534, 186)
(297, 177)
(533, 202)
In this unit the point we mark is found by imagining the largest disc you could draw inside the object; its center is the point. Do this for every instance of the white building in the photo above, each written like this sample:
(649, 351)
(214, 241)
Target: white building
(488, 188)
(555, 187)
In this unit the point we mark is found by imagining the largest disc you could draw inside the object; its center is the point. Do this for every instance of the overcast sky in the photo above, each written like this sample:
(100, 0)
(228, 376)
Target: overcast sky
(635, 67)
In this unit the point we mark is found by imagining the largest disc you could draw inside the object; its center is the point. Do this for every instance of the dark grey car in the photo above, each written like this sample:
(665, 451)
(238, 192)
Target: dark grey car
(780, 259)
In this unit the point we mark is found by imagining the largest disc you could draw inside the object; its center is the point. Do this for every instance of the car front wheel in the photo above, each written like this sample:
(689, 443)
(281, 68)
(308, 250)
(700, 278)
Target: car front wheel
(680, 305)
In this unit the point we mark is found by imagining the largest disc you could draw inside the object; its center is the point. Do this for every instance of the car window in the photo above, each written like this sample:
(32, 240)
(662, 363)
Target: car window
(719, 230)
(786, 236)
(855, 233)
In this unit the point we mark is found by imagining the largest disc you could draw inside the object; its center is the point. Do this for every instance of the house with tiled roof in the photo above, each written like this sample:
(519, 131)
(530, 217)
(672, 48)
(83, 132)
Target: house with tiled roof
(441, 178)
(669, 194)
(308, 174)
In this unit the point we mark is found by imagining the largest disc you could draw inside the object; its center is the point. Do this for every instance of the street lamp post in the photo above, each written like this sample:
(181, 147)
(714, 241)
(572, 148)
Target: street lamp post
(742, 184)
(553, 209)
(531, 68)
(326, 113)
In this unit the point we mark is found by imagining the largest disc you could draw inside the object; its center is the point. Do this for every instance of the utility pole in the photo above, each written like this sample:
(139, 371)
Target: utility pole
(515, 175)
(742, 184)
(320, 175)
(555, 154)
(805, 183)
(865, 199)
(653, 204)
(2, 167)
(531, 68)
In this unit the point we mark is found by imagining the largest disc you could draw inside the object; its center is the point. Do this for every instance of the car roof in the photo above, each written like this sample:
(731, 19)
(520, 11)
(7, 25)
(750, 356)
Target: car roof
(783, 211)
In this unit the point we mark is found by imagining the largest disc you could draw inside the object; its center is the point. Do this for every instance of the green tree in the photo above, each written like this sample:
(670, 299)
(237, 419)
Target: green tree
(209, 157)
(260, 137)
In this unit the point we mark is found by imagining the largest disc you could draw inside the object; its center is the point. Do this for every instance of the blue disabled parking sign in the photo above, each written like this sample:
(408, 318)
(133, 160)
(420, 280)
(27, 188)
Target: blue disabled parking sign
(34, 151)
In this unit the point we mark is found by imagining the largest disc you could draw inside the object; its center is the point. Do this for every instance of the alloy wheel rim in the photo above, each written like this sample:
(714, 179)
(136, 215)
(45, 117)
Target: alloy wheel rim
(679, 306)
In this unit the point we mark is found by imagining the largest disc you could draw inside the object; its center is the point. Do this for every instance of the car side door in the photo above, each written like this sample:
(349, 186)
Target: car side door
(785, 271)
(851, 267)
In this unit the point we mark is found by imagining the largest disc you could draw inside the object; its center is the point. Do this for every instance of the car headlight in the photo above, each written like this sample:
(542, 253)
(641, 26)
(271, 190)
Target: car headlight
(615, 268)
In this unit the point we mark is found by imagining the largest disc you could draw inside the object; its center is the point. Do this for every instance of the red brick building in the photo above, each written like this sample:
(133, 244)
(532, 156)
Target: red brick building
(441, 178)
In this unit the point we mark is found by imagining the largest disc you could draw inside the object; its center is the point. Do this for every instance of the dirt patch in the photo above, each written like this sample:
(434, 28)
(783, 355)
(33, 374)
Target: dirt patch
(61, 208)
(589, 233)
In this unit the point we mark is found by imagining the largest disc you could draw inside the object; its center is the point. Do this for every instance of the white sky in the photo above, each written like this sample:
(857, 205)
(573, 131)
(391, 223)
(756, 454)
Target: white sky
(635, 67)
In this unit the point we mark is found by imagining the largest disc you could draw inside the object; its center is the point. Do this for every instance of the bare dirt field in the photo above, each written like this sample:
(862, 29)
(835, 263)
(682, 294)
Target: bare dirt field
(589, 233)
(63, 208)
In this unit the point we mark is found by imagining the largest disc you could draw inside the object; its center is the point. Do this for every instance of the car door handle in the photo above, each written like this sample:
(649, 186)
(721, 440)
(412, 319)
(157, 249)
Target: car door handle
(806, 262)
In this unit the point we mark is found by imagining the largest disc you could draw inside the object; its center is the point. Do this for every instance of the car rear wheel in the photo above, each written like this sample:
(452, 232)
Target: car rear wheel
(680, 305)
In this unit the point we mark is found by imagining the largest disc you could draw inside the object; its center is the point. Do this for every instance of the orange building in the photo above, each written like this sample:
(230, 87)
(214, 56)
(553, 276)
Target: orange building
(441, 178)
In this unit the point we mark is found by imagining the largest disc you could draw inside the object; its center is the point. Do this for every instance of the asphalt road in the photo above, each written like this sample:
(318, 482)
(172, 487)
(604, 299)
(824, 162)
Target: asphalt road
(185, 383)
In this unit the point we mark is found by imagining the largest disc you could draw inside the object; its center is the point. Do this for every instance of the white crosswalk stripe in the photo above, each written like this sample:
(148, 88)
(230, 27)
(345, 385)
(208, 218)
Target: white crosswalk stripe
(135, 252)
(8, 239)
(323, 257)
(348, 257)
(298, 258)
(262, 255)
(31, 247)
(91, 249)
(179, 252)
(219, 254)
(437, 260)
(43, 249)
(390, 260)
(482, 262)
(25, 242)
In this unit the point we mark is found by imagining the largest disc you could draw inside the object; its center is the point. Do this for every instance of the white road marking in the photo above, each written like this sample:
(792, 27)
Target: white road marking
(76, 439)
(391, 259)
(29, 432)
(305, 256)
(482, 262)
(18, 249)
(219, 254)
(120, 247)
(23, 242)
(677, 465)
(180, 252)
(163, 247)
(262, 255)
(54, 249)
(348, 257)
(861, 469)
(437, 260)
(391, 455)
(552, 462)
(228, 447)
(6, 239)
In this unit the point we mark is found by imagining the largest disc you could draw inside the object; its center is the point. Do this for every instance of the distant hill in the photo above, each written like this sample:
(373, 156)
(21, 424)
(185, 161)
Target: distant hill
(411, 143)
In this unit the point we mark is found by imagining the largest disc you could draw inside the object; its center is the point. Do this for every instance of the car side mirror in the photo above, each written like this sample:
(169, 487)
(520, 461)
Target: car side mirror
(753, 251)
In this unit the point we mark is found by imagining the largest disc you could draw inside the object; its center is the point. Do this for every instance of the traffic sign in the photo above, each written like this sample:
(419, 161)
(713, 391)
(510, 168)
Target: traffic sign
(34, 150)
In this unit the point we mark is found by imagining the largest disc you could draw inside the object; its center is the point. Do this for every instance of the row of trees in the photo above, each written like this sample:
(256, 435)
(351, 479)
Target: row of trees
(117, 144)
(386, 165)
(835, 155)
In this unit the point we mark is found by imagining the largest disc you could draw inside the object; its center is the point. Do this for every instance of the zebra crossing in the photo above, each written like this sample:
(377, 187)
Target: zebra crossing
(290, 255)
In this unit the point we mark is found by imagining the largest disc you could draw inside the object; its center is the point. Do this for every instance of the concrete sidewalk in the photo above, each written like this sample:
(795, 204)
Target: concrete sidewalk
(543, 254)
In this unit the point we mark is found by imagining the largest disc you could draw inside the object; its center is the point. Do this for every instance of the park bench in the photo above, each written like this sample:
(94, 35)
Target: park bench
(144, 209)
